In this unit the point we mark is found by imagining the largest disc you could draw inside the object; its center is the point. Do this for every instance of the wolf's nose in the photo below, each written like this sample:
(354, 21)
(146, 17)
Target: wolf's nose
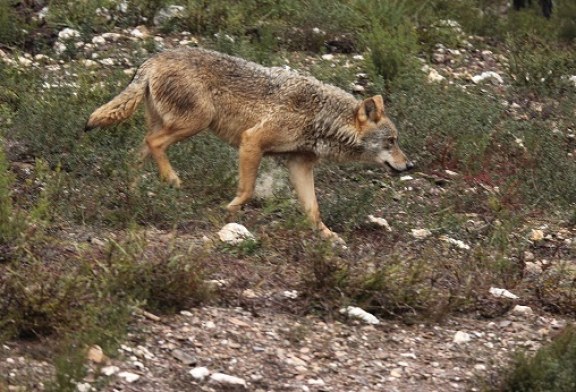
(410, 165)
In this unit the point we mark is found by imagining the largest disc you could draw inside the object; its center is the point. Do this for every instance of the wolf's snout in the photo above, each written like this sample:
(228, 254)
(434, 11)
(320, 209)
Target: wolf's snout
(410, 165)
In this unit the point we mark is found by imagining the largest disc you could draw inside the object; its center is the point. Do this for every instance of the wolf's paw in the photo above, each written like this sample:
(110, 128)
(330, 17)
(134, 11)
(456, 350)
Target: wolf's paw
(173, 180)
(329, 235)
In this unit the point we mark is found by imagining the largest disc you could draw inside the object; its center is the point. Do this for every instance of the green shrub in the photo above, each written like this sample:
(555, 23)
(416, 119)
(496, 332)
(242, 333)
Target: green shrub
(83, 15)
(12, 27)
(551, 369)
(171, 280)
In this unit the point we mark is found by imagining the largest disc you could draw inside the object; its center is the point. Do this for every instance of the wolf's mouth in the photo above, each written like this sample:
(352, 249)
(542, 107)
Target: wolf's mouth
(394, 170)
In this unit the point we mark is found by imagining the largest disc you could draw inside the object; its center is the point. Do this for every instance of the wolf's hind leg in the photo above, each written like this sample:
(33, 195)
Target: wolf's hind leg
(156, 144)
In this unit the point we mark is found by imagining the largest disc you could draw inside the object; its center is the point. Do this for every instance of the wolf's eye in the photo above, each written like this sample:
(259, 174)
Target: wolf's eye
(391, 140)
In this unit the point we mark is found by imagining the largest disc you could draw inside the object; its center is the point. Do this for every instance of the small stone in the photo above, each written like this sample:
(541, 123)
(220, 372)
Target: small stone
(380, 222)
(140, 32)
(353, 311)
(111, 36)
(83, 387)
(168, 13)
(290, 294)
(434, 76)
(129, 377)
(328, 57)
(249, 293)
(68, 33)
(480, 367)
(358, 88)
(316, 381)
(98, 40)
(107, 62)
(520, 310)
(110, 370)
(184, 357)
(421, 233)
(488, 75)
(533, 268)
(234, 233)
(396, 373)
(222, 378)
(536, 235)
(461, 337)
(199, 373)
(502, 293)
(96, 354)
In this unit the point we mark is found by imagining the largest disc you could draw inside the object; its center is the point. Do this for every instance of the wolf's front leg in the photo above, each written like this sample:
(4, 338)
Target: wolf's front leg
(302, 177)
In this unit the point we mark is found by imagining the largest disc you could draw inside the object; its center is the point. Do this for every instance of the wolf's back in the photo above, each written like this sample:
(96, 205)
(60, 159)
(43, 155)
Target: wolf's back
(121, 106)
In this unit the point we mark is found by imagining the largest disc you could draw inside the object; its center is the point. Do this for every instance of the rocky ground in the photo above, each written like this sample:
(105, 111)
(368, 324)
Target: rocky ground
(228, 349)
(223, 349)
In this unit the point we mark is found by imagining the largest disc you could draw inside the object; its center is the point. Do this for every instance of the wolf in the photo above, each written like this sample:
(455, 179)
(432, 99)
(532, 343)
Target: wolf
(259, 110)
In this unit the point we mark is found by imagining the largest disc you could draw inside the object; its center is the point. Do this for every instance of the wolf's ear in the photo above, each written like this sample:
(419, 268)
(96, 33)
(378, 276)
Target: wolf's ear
(371, 109)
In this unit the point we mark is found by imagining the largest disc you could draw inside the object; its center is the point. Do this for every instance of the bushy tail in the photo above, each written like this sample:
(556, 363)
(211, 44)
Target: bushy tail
(121, 106)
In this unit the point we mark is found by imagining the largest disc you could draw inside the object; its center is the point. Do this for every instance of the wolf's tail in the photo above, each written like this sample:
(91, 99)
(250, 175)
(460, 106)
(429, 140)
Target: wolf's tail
(121, 106)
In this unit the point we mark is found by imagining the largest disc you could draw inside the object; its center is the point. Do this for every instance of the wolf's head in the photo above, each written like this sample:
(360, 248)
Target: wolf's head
(378, 137)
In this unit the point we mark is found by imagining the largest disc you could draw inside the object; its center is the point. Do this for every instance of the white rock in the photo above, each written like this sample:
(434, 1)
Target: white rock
(222, 378)
(533, 268)
(68, 34)
(249, 293)
(24, 61)
(143, 352)
(111, 36)
(123, 6)
(434, 76)
(110, 370)
(461, 337)
(83, 387)
(488, 75)
(59, 47)
(316, 381)
(380, 222)
(536, 235)
(502, 293)
(199, 373)
(573, 79)
(107, 62)
(361, 314)
(129, 377)
(451, 173)
(140, 32)
(520, 310)
(98, 40)
(421, 233)
(88, 63)
(96, 354)
(291, 294)
(168, 13)
(358, 88)
(361, 58)
(42, 14)
(457, 243)
(406, 178)
(234, 233)
(328, 57)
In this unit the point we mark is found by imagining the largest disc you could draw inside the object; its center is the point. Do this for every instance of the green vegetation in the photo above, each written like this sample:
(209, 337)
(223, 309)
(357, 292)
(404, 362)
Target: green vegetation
(87, 236)
(550, 370)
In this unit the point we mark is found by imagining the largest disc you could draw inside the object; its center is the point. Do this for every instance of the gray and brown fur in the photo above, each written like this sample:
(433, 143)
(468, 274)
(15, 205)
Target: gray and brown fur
(259, 110)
